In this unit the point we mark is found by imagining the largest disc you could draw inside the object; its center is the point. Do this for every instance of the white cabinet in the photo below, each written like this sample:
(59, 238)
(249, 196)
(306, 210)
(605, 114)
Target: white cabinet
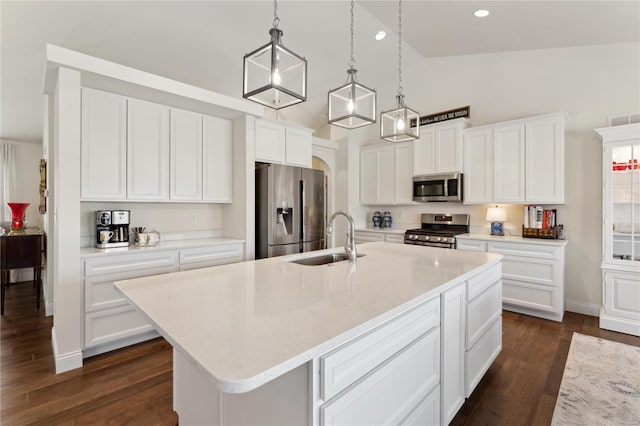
(217, 158)
(203, 257)
(110, 321)
(277, 143)
(103, 146)
(439, 149)
(372, 236)
(186, 155)
(148, 151)
(532, 273)
(386, 173)
(621, 229)
(520, 161)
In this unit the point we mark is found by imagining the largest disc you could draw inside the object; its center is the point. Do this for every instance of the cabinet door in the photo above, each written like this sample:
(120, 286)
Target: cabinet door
(453, 350)
(270, 142)
(148, 151)
(298, 147)
(545, 160)
(403, 170)
(478, 166)
(424, 161)
(385, 175)
(508, 163)
(448, 149)
(186, 155)
(368, 176)
(217, 160)
(103, 146)
(622, 296)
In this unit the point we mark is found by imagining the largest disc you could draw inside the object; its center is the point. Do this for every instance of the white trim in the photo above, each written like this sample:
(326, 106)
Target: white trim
(64, 362)
(48, 309)
(621, 325)
(582, 308)
(324, 143)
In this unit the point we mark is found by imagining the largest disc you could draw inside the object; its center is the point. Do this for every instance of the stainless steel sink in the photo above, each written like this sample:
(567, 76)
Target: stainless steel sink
(323, 259)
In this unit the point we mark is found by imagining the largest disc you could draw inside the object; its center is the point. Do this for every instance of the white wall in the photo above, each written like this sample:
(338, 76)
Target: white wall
(590, 83)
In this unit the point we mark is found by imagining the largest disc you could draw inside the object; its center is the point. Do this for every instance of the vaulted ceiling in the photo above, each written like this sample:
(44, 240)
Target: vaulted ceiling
(203, 42)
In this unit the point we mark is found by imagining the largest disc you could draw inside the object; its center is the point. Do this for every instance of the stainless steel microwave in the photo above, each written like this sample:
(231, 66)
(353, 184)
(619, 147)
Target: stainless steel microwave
(437, 187)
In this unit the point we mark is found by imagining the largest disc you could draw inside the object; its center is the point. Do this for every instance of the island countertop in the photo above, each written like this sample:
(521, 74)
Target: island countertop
(247, 323)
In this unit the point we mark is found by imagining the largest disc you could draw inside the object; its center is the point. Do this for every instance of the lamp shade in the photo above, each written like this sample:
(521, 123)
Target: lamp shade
(274, 76)
(352, 105)
(496, 214)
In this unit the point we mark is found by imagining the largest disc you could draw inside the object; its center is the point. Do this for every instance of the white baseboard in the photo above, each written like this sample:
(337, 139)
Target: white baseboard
(64, 362)
(48, 309)
(582, 308)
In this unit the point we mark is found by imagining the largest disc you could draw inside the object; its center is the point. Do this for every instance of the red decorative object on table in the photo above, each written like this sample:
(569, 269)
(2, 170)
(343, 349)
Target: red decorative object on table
(17, 216)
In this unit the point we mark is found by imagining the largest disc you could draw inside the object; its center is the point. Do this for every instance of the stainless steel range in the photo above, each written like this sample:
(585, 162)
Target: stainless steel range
(438, 230)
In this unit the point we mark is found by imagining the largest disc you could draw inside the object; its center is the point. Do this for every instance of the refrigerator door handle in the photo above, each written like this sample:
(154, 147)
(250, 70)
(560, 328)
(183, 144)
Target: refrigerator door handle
(303, 236)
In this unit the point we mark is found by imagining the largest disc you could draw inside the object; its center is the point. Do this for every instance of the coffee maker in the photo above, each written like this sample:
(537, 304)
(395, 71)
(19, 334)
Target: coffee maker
(112, 228)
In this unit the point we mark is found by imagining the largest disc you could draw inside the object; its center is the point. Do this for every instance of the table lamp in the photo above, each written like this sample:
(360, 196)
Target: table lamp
(496, 215)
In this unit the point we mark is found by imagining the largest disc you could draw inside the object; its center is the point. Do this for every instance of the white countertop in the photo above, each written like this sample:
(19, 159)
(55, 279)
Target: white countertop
(163, 245)
(247, 323)
(513, 239)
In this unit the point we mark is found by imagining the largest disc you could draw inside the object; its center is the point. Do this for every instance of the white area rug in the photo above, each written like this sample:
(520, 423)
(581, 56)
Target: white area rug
(600, 384)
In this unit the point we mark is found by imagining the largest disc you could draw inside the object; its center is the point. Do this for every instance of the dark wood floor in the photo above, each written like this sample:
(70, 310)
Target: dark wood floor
(133, 385)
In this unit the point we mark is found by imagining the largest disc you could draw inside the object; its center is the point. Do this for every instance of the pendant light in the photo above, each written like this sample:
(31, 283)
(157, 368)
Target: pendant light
(400, 123)
(273, 75)
(352, 105)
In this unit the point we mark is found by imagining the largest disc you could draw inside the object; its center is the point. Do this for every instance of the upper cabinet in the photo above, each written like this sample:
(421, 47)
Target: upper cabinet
(439, 149)
(386, 174)
(280, 144)
(134, 150)
(520, 161)
(104, 146)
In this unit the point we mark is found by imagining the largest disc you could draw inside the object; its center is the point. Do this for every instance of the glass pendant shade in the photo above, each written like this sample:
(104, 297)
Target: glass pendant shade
(352, 105)
(274, 76)
(399, 124)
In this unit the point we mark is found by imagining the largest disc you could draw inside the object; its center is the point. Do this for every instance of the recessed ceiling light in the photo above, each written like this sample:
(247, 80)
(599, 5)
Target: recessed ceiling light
(380, 35)
(481, 13)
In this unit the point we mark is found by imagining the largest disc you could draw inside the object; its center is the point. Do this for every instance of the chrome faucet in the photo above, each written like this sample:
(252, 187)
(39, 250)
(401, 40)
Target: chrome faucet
(350, 246)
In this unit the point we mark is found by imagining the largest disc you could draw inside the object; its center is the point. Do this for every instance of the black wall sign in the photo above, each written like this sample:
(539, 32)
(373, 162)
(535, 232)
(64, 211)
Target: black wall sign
(462, 112)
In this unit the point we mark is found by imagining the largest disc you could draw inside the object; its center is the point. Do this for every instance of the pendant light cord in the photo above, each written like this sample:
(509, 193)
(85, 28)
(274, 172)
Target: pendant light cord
(352, 61)
(276, 19)
(400, 47)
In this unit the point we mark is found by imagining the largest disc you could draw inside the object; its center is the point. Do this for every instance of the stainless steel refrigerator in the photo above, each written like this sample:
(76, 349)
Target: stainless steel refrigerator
(290, 210)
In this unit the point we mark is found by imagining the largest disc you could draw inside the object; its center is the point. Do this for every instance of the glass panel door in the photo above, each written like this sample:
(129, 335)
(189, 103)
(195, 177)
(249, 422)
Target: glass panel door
(625, 199)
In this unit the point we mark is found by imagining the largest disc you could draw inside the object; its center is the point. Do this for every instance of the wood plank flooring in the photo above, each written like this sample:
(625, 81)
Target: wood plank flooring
(134, 385)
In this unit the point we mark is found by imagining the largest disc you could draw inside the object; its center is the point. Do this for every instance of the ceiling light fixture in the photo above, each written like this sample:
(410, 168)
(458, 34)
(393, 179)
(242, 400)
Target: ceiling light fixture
(380, 35)
(273, 75)
(352, 105)
(400, 123)
(481, 13)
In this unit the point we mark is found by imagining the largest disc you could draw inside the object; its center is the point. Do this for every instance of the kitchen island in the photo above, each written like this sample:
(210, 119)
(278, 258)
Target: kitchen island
(402, 336)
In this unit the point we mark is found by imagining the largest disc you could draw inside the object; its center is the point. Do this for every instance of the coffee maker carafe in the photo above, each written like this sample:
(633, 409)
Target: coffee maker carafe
(112, 228)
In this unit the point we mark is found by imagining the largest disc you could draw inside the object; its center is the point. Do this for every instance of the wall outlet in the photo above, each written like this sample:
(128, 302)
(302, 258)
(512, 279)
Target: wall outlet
(194, 218)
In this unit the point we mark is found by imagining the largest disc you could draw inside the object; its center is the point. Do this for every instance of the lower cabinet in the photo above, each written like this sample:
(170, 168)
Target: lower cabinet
(110, 321)
(373, 236)
(621, 301)
(532, 273)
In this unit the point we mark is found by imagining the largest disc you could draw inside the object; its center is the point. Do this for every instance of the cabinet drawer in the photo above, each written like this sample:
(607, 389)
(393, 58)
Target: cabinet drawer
(534, 296)
(210, 256)
(525, 250)
(394, 238)
(366, 237)
(535, 271)
(130, 262)
(480, 357)
(113, 324)
(485, 279)
(471, 245)
(346, 364)
(390, 393)
(427, 412)
(482, 312)
(100, 293)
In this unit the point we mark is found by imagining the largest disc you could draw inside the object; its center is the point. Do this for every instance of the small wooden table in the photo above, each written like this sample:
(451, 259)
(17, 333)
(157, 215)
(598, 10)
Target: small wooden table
(18, 251)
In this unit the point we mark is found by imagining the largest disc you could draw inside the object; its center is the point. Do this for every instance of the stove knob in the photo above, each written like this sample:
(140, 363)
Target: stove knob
(414, 237)
(426, 238)
(438, 239)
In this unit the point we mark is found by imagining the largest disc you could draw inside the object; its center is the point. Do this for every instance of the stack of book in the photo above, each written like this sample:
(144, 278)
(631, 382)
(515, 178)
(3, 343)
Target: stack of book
(539, 222)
